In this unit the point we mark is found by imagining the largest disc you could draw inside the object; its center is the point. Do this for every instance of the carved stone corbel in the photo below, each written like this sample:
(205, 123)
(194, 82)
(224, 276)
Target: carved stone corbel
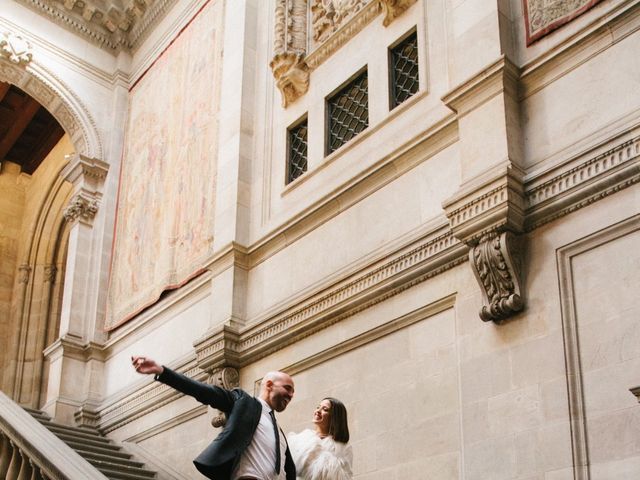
(87, 176)
(392, 9)
(288, 66)
(228, 378)
(488, 216)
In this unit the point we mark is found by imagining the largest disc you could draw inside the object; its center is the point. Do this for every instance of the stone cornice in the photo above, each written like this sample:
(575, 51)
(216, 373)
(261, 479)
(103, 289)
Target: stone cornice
(501, 76)
(105, 24)
(226, 346)
(591, 177)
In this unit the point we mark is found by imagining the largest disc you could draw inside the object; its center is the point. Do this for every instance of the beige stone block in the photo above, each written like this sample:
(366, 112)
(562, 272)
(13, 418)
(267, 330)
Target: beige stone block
(514, 411)
(614, 436)
(618, 470)
(538, 361)
(493, 458)
(554, 398)
(475, 421)
(485, 377)
(445, 466)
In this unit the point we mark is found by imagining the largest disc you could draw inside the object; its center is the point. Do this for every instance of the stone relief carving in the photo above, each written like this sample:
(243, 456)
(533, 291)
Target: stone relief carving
(15, 48)
(227, 378)
(327, 16)
(496, 263)
(288, 65)
(81, 207)
(392, 9)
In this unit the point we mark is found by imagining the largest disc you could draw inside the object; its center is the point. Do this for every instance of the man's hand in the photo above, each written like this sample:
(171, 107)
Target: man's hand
(146, 365)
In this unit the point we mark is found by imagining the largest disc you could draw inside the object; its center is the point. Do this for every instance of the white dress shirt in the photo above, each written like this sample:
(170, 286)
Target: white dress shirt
(259, 459)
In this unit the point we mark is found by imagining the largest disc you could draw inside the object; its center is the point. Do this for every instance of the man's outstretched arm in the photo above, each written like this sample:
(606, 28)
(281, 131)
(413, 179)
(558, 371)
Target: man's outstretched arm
(208, 394)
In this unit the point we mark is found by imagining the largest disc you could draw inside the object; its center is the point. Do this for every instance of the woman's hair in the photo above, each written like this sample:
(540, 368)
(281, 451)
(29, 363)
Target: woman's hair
(338, 427)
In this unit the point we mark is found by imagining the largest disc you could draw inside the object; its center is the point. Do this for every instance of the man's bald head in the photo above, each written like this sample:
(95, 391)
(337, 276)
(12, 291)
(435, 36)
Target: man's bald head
(277, 390)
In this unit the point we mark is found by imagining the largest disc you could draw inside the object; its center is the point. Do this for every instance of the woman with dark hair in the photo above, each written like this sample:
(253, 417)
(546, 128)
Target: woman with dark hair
(324, 453)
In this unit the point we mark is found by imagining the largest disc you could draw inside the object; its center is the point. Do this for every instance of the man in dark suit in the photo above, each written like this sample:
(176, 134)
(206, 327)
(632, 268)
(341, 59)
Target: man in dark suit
(251, 446)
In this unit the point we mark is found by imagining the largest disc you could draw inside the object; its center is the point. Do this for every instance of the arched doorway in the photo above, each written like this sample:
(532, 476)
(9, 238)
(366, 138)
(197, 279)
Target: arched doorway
(33, 150)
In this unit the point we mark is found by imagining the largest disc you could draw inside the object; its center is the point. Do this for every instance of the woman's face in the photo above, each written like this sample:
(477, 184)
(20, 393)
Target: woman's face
(322, 415)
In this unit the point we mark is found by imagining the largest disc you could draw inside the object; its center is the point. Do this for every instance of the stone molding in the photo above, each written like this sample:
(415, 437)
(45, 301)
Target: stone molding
(113, 26)
(570, 334)
(591, 177)
(15, 48)
(502, 76)
(225, 345)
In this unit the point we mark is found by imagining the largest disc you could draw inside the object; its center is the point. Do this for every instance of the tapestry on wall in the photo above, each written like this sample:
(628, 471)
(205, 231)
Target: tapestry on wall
(164, 224)
(544, 16)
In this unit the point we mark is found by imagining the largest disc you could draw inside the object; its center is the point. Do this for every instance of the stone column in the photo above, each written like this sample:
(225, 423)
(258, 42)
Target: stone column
(71, 356)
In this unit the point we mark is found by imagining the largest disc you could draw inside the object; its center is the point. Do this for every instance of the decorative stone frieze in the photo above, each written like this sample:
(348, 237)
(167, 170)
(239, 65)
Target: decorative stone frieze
(327, 16)
(392, 9)
(487, 216)
(228, 378)
(82, 208)
(112, 25)
(15, 49)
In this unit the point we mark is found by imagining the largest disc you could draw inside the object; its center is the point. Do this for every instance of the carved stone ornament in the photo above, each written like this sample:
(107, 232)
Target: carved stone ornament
(392, 9)
(292, 76)
(288, 65)
(496, 263)
(81, 208)
(50, 272)
(23, 273)
(227, 378)
(327, 16)
(15, 49)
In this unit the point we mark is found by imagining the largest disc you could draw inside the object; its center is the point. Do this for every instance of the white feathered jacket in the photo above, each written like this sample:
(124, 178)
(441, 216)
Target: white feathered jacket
(320, 458)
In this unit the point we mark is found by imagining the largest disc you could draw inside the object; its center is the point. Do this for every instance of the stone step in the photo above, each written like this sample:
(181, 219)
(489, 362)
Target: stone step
(119, 475)
(73, 431)
(120, 468)
(101, 452)
(120, 457)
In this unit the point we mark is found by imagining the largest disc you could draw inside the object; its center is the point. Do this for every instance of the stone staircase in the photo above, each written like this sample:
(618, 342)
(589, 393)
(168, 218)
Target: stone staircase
(99, 451)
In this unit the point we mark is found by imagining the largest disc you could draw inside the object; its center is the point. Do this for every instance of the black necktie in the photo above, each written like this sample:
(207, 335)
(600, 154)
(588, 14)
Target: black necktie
(275, 429)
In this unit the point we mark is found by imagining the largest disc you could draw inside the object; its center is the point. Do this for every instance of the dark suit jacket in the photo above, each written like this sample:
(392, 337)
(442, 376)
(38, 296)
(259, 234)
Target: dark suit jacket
(218, 460)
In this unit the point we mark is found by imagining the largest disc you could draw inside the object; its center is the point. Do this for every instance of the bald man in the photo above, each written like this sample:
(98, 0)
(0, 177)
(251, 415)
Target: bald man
(251, 446)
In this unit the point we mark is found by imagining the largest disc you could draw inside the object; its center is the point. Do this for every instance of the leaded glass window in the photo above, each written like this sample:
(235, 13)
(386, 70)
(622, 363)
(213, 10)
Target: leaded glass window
(347, 112)
(403, 59)
(297, 154)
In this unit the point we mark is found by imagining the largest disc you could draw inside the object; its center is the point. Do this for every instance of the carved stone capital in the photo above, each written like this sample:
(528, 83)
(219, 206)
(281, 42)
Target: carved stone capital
(50, 272)
(392, 9)
(496, 263)
(292, 76)
(81, 207)
(24, 271)
(228, 378)
(218, 348)
(487, 215)
(15, 48)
